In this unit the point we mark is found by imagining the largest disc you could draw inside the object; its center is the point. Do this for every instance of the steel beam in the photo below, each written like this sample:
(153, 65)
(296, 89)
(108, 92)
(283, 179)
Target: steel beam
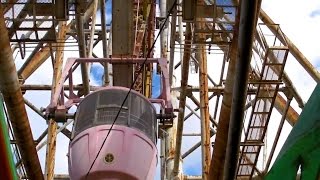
(245, 43)
(104, 41)
(195, 113)
(93, 27)
(10, 88)
(183, 94)
(82, 50)
(219, 150)
(192, 177)
(37, 57)
(36, 87)
(305, 63)
(274, 145)
(201, 56)
(35, 109)
(9, 5)
(196, 101)
(52, 125)
(172, 42)
(30, 66)
(122, 41)
(291, 115)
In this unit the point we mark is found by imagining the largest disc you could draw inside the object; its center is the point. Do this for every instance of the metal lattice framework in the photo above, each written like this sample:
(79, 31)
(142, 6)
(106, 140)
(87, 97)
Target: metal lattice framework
(199, 38)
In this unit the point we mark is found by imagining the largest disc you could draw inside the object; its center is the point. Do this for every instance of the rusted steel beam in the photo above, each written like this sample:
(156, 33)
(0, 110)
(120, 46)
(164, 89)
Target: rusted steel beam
(10, 88)
(35, 62)
(305, 63)
(172, 43)
(196, 102)
(9, 5)
(52, 125)
(248, 20)
(204, 111)
(41, 54)
(183, 94)
(104, 41)
(220, 89)
(93, 25)
(82, 50)
(219, 150)
(291, 114)
(36, 87)
(22, 15)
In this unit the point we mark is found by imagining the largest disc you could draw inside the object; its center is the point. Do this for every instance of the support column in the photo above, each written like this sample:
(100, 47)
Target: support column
(10, 88)
(201, 56)
(52, 126)
(219, 150)
(170, 138)
(183, 94)
(82, 48)
(246, 35)
(104, 41)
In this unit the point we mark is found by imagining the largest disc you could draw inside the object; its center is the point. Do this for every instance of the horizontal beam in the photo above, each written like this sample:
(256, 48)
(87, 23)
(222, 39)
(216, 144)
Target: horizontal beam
(38, 87)
(220, 89)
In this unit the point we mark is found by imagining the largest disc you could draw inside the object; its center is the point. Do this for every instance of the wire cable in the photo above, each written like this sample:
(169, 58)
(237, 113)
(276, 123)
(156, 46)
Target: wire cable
(135, 79)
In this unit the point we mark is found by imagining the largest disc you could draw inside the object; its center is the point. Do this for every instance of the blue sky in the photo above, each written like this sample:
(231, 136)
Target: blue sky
(315, 13)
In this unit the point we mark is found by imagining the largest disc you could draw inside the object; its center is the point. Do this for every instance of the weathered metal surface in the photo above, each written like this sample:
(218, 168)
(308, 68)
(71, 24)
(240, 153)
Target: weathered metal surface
(52, 126)
(104, 40)
(204, 111)
(82, 49)
(10, 88)
(247, 22)
(218, 156)
(183, 94)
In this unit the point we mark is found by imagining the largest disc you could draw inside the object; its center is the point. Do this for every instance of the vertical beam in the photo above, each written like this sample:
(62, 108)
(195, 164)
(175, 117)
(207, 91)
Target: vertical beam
(147, 73)
(219, 150)
(181, 38)
(93, 27)
(52, 126)
(82, 48)
(122, 40)
(201, 56)
(246, 35)
(172, 42)
(163, 54)
(10, 88)
(305, 63)
(183, 93)
(104, 41)
(164, 33)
